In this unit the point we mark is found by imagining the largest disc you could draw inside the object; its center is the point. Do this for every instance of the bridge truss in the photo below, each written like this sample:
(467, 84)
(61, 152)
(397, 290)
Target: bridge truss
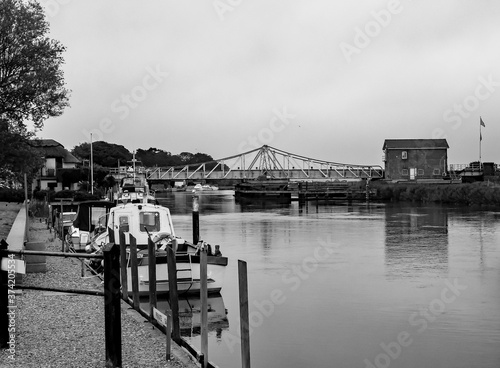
(267, 162)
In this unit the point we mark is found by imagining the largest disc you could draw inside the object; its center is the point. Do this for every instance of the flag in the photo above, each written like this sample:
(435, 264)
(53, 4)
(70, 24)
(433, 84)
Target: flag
(481, 122)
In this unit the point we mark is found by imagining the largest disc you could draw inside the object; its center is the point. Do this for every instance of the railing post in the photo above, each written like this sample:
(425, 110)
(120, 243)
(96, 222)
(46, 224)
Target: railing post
(204, 306)
(172, 291)
(152, 277)
(123, 266)
(134, 273)
(112, 306)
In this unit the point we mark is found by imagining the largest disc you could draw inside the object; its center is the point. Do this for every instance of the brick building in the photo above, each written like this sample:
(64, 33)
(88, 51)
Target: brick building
(415, 159)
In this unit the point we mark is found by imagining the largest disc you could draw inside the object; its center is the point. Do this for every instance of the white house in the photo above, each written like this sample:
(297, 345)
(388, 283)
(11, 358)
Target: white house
(57, 158)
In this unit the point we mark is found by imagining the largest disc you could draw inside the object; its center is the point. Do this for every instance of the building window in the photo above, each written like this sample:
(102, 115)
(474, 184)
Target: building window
(404, 155)
(436, 172)
(404, 172)
(420, 172)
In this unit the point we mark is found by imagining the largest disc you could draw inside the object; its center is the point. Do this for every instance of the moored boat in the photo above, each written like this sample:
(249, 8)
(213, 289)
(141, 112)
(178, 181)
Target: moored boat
(146, 221)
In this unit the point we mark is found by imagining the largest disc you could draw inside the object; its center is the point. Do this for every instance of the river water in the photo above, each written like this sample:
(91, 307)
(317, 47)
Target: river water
(338, 285)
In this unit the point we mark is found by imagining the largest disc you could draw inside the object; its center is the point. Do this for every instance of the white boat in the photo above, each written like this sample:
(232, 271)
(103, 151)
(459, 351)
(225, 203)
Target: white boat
(204, 187)
(147, 220)
(134, 188)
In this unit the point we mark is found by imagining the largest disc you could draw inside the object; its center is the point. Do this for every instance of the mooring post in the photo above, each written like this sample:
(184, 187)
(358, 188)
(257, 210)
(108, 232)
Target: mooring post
(112, 307)
(4, 302)
(123, 265)
(172, 291)
(244, 316)
(204, 306)
(152, 277)
(196, 219)
(134, 273)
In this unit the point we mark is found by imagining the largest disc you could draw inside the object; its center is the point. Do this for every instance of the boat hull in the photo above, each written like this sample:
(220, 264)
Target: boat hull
(188, 276)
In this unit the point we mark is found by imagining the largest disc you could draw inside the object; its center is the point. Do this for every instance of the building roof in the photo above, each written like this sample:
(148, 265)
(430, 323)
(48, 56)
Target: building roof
(415, 144)
(54, 149)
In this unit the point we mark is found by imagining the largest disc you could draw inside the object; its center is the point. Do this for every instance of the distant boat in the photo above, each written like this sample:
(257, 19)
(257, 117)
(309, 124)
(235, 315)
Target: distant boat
(204, 187)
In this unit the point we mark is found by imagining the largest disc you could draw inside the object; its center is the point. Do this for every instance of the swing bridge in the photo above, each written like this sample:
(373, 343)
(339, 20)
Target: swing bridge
(265, 162)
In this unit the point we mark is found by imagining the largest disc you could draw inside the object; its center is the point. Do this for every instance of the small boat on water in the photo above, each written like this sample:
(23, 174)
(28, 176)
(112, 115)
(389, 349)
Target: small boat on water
(145, 221)
(204, 187)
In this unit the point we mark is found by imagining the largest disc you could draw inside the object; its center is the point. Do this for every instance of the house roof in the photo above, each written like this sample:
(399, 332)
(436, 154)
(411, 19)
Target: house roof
(415, 144)
(54, 149)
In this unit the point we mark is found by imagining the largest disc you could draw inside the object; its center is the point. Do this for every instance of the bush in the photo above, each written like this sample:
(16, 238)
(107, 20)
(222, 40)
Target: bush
(11, 195)
(479, 193)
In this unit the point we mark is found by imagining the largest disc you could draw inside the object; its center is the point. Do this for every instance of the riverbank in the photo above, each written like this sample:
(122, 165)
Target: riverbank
(61, 329)
(479, 193)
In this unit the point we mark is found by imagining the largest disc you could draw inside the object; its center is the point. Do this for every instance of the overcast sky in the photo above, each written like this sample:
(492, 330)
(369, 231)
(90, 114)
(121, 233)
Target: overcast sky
(325, 79)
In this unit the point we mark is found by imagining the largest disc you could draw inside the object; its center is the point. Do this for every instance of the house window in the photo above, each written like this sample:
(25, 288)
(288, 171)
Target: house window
(436, 172)
(404, 172)
(404, 155)
(420, 172)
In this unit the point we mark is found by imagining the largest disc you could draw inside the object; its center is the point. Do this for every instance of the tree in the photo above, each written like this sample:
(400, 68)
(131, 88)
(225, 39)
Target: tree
(31, 80)
(104, 154)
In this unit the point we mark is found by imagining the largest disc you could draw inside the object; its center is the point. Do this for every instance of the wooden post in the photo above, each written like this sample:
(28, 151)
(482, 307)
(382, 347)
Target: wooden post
(172, 291)
(152, 277)
(60, 227)
(111, 235)
(196, 219)
(204, 306)
(4, 302)
(134, 273)
(244, 316)
(112, 307)
(168, 332)
(123, 266)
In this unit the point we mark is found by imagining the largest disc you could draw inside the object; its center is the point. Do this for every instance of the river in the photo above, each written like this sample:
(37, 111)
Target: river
(338, 285)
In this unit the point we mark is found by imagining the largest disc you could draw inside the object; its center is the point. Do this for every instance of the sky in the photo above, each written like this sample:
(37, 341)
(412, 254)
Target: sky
(325, 79)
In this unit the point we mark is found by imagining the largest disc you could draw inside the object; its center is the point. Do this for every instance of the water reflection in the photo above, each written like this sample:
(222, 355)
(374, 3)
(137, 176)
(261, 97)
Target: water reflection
(416, 241)
(190, 314)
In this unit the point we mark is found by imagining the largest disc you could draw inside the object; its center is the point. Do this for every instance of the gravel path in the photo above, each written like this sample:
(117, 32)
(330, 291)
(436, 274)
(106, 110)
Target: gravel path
(67, 330)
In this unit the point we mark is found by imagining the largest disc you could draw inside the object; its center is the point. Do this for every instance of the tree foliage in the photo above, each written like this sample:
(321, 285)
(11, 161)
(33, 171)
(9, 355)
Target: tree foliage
(31, 78)
(104, 154)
